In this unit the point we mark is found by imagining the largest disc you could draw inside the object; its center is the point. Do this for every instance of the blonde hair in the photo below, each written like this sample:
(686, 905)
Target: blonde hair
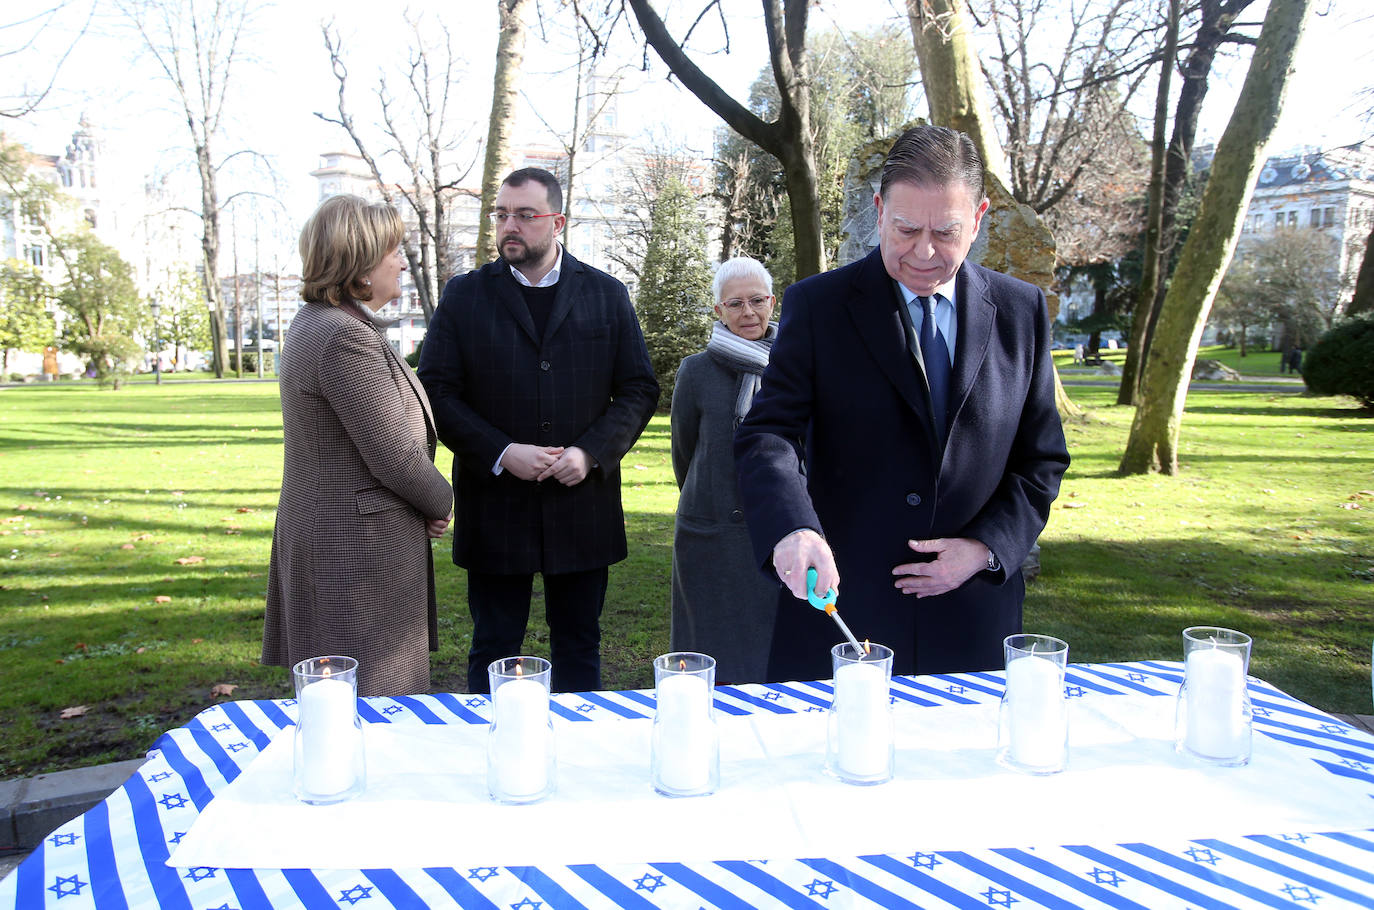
(346, 238)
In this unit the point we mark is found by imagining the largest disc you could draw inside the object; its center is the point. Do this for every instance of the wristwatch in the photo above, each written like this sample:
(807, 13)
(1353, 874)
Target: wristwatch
(993, 564)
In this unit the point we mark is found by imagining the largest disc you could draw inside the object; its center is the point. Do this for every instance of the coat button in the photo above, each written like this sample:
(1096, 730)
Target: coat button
(736, 515)
(546, 426)
(544, 365)
(913, 499)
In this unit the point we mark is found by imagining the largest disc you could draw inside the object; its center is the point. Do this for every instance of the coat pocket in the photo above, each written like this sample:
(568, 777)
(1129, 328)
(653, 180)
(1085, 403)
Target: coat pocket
(378, 499)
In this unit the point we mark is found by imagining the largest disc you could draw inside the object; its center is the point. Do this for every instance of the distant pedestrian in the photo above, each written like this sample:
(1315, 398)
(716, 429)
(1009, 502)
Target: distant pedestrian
(1295, 360)
(1078, 352)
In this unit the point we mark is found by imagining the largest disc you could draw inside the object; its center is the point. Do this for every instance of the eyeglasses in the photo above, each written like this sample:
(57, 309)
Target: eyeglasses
(526, 218)
(758, 303)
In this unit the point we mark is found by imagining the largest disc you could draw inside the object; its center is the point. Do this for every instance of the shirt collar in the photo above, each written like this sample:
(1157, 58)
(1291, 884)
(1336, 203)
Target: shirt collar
(550, 278)
(946, 290)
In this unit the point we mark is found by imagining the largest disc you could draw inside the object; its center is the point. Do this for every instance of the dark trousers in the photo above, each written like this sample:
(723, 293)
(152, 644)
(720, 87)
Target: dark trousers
(500, 608)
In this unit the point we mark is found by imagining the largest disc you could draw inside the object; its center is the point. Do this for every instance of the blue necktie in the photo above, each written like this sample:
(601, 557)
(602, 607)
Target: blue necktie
(935, 355)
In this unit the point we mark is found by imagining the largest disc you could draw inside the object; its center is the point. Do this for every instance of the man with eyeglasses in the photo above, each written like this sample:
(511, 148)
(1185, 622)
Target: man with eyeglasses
(540, 383)
(923, 388)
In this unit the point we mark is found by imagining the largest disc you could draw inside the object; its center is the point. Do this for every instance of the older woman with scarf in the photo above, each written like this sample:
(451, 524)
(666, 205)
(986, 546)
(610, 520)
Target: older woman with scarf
(722, 605)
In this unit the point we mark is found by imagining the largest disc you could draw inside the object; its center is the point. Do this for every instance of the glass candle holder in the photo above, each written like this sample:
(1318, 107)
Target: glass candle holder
(1214, 717)
(859, 735)
(329, 762)
(1033, 719)
(521, 762)
(685, 748)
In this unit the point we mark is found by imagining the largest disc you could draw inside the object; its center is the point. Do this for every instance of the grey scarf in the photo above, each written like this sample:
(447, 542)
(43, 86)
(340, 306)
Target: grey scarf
(742, 356)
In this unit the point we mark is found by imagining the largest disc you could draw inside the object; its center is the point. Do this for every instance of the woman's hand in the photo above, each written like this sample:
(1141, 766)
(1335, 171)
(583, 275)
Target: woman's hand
(435, 526)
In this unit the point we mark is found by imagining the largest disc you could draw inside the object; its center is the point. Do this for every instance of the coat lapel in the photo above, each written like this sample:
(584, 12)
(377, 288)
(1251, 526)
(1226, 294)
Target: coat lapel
(501, 287)
(976, 317)
(568, 277)
(874, 312)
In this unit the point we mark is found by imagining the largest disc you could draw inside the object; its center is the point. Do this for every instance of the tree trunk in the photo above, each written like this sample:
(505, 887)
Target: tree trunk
(1363, 301)
(505, 93)
(952, 80)
(789, 138)
(1154, 218)
(209, 246)
(1153, 443)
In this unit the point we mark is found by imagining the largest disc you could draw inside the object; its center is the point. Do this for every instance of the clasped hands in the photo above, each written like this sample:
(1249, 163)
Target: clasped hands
(567, 465)
(957, 559)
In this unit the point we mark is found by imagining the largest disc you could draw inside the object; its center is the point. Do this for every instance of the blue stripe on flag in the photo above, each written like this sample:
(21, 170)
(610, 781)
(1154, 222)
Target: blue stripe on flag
(799, 694)
(928, 883)
(28, 881)
(613, 706)
(454, 704)
(418, 708)
(545, 887)
(757, 701)
(274, 713)
(700, 884)
(1170, 672)
(1367, 755)
(394, 889)
(1145, 877)
(861, 886)
(107, 892)
(1287, 872)
(247, 888)
(190, 773)
(940, 695)
(309, 889)
(1125, 683)
(458, 888)
(1208, 874)
(1073, 678)
(371, 714)
(996, 683)
(1077, 882)
(567, 713)
(1292, 710)
(1346, 771)
(1350, 840)
(1012, 883)
(239, 718)
(152, 843)
(1316, 859)
(769, 885)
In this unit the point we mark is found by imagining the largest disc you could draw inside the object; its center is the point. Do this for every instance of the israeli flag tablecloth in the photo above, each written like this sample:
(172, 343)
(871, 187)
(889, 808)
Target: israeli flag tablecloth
(1130, 824)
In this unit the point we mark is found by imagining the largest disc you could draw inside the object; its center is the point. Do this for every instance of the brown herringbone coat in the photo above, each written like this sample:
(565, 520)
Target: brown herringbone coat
(351, 568)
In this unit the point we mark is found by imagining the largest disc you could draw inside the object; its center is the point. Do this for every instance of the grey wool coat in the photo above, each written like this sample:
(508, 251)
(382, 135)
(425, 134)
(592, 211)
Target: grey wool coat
(351, 570)
(722, 605)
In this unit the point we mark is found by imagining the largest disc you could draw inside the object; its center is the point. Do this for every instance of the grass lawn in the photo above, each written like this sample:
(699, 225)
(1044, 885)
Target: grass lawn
(137, 526)
(1255, 362)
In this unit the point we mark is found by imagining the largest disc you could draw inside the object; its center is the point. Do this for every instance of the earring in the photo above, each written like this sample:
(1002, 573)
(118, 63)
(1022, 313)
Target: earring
(367, 282)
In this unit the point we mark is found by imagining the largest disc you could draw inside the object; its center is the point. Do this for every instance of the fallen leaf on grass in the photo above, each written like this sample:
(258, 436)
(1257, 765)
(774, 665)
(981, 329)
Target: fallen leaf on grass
(34, 532)
(1073, 505)
(225, 689)
(128, 546)
(1361, 494)
(233, 530)
(190, 560)
(14, 519)
(23, 508)
(143, 537)
(1270, 492)
(1350, 505)
(74, 711)
(244, 509)
(162, 599)
(196, 641)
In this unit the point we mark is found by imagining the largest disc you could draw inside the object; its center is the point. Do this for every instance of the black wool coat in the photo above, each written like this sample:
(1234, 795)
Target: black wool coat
(492, 382)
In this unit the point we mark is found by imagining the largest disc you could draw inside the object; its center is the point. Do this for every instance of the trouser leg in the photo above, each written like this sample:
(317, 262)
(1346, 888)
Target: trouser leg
(572, 604)
(500, 608)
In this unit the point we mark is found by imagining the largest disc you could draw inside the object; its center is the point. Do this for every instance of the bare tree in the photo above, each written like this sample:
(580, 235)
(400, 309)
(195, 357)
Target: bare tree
(197, 47)
(421, 133)
(1153, 443)
(789, 138)
(1212, 24)
(20, 39)
(510, 59)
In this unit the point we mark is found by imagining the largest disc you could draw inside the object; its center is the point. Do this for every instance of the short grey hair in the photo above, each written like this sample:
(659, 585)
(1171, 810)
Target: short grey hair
(739, 267)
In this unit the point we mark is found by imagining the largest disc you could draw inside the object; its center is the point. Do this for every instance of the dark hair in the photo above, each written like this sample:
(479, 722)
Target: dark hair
(541, 176)
(934, 156)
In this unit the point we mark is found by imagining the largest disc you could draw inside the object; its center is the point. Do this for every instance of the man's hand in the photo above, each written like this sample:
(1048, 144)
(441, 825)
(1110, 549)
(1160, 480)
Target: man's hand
(957, 559)
(801, 550)
(569, 469)
(434, 527)
(528, 462)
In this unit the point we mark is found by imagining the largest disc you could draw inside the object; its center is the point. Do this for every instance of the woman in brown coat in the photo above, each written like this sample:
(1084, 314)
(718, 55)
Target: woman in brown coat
(351, 569)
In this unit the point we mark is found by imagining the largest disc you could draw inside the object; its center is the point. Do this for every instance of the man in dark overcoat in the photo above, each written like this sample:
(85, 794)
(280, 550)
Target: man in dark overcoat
(540, 382)
(923, 388)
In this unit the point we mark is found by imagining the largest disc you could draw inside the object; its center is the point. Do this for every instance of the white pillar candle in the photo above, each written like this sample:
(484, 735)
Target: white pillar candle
(1215, 702)
(522, 723)
(864, 725)
(328, 735)
(685, 737)
(1035, 702)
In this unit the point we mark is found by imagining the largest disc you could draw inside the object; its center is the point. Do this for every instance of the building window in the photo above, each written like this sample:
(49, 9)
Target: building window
(1278, 220)
(1292, 219)
(1316, 218)
(1329, 218)
(34, 254)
